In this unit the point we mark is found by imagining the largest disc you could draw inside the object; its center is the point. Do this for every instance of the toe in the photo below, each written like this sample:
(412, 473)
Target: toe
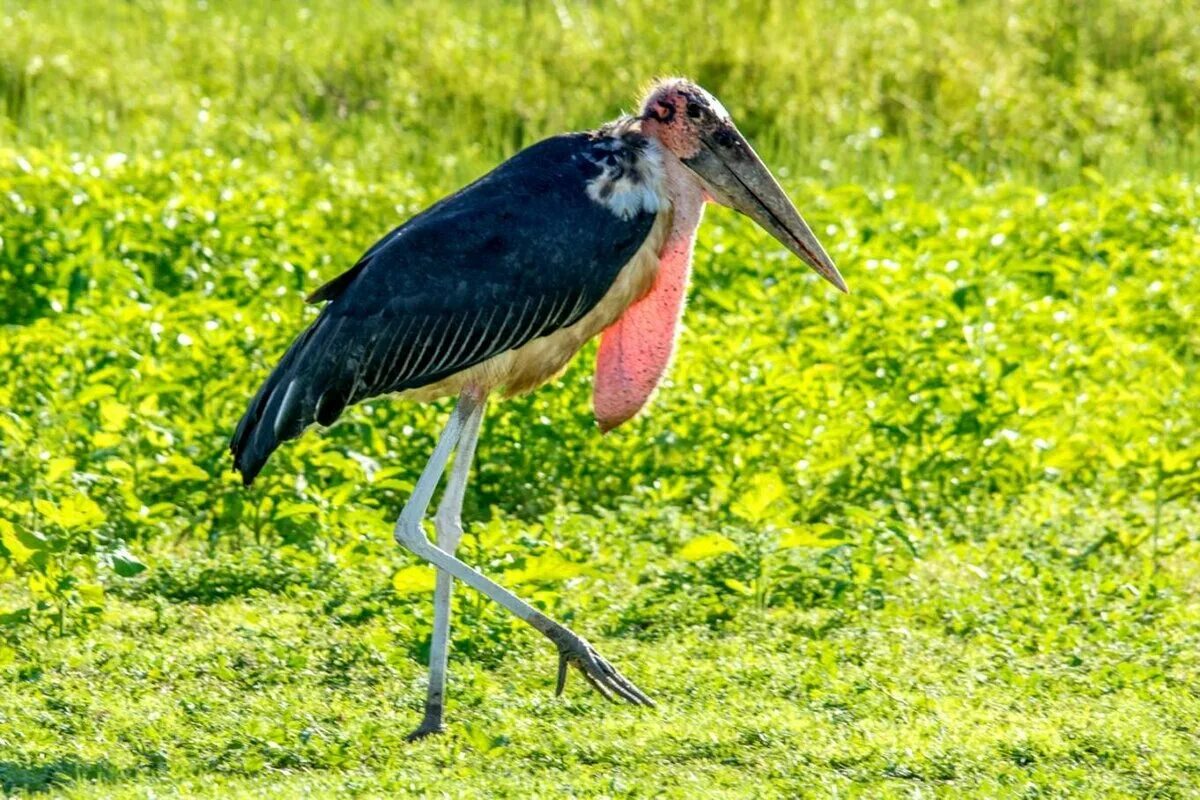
(422, 732)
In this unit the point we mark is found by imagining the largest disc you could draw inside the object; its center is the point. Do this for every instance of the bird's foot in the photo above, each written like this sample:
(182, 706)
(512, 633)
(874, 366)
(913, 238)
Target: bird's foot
(425, 729)
(575, 651)
(429, 726)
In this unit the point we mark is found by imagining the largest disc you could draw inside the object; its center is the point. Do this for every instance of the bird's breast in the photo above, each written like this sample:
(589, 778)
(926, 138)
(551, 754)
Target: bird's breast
(542, 359)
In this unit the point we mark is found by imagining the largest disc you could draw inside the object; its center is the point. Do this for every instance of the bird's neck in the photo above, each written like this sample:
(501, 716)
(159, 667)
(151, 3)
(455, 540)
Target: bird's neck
(635, 351)
(684, 196)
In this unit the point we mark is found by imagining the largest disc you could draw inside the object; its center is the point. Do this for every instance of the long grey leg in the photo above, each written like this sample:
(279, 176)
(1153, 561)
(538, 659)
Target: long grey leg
(573, 649)
(448, 524)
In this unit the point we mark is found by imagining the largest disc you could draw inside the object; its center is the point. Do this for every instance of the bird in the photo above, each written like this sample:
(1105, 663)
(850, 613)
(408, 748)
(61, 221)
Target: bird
(495, 288)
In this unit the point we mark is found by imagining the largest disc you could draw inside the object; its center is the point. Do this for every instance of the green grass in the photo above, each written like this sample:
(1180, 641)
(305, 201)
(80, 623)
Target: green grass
(1039, 89)
(994, 670)
(935, 538)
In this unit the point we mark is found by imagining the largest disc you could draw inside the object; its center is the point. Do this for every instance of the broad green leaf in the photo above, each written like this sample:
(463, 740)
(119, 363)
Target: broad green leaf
(21, 551)
(94, 392)
(103, 440)
(762, 499)
(16, 617)
(818, 535)
(417, 578)
(113, 415)
(11, 428)
(125, 563)
(549, 567)
(91, 593)
(707, 546)
(223, 671)
(289, 510)
(39, 585)
(738, 586)
(482, 741)
(183, 469)
(149, 406)
(59, 467)
(72, 512)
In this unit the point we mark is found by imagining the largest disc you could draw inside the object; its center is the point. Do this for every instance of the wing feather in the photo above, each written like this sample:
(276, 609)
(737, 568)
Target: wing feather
(481, 337)
(411, 346)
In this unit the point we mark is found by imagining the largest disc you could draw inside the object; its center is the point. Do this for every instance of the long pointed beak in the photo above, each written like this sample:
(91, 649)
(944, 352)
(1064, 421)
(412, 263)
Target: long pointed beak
(736, 177)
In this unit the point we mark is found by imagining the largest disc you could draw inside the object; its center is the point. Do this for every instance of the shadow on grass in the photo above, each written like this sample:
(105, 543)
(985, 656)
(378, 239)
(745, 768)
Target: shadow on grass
(17, 777)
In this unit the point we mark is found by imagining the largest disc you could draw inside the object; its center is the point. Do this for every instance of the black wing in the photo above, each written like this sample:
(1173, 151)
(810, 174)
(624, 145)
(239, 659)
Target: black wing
(518, 254)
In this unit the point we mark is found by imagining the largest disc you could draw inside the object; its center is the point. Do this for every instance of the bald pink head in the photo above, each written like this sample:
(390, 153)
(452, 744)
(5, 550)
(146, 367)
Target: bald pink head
(678, 113)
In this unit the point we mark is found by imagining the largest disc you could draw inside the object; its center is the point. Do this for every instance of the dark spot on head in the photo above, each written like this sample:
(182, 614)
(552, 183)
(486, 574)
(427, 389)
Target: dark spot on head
(666, 112)
(694, 109)
(606, 190)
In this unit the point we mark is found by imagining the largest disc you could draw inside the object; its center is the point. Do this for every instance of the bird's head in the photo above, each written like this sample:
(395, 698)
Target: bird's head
(696, 128)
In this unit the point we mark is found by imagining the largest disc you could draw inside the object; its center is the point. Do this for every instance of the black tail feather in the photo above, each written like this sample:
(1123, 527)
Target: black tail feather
(281, 409)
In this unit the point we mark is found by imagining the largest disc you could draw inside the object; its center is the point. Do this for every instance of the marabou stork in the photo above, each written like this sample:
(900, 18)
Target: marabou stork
(497, 286)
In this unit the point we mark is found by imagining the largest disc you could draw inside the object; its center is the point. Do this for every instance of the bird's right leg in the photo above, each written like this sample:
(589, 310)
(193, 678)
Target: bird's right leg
(448, 524)
(573, 649)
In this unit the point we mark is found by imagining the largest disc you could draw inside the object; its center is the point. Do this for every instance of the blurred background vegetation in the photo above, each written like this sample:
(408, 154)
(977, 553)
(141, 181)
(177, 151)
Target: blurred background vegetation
(841, 91)
(941, 532)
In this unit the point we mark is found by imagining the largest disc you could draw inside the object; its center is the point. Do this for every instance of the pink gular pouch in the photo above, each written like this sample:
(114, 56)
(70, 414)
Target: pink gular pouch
(636, 350)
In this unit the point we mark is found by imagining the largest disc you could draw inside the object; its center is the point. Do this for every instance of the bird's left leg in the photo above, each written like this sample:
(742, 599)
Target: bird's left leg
(573, 649)
(448, 524)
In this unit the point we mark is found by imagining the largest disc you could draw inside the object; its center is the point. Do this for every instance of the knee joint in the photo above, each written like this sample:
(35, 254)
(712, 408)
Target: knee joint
(411, 535)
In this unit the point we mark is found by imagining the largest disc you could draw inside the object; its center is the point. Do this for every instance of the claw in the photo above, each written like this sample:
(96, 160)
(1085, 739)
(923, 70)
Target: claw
(562, 674)
(603, 676)
(604, 691)
(424, 730)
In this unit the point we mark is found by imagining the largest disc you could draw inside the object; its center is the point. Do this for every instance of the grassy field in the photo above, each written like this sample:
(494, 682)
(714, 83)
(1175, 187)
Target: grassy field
(935, 538)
